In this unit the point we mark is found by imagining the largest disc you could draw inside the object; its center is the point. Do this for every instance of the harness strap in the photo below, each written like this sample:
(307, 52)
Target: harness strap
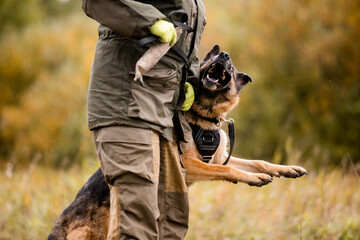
(183, 19)
(146, 40)
(232, 140)
(181, 54)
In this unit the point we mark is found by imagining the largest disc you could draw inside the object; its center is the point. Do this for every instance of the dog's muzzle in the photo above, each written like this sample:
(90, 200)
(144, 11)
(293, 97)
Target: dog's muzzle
(218, 75)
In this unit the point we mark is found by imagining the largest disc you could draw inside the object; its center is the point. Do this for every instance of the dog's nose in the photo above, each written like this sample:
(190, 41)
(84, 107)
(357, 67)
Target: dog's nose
(224, 55)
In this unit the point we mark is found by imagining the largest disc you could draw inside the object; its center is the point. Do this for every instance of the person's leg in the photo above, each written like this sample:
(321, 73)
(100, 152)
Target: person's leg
(173, 195)
(130, 160)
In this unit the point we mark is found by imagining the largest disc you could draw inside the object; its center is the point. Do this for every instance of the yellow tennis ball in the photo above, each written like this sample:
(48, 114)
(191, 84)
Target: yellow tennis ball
(189, 97)
(165, 30)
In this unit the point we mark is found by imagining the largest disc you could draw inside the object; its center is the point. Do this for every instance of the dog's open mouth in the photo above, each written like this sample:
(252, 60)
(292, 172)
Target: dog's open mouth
(216, 76)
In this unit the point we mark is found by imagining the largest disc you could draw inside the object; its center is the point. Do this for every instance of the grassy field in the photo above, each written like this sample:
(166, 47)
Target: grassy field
(324, 205)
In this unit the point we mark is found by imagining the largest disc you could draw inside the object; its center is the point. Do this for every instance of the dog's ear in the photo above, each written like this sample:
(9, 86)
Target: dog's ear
(242, 79)
(213, 52)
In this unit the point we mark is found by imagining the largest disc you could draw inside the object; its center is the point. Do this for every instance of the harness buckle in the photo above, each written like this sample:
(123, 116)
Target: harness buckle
(223, 119)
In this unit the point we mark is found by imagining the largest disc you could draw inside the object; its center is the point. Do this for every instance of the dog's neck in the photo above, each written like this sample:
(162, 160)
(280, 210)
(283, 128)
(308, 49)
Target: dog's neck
(203, 122)
(215, 120)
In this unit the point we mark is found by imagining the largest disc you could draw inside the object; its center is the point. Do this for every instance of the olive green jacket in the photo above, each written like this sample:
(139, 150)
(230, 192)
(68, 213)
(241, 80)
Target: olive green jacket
(114, 98)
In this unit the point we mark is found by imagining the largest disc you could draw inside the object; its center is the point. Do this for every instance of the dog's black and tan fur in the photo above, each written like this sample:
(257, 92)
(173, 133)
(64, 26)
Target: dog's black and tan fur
(88, 215)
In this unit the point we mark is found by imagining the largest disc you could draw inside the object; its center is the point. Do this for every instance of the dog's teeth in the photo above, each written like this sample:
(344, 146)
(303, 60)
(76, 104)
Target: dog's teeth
(211, 79)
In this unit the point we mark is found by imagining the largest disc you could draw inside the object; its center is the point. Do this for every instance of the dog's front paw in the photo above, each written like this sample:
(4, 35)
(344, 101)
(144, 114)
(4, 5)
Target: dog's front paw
(291, 171)
(259, 179)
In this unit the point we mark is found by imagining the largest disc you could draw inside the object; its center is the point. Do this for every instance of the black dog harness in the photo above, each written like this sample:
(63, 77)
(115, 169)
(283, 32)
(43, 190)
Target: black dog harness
(207, 141)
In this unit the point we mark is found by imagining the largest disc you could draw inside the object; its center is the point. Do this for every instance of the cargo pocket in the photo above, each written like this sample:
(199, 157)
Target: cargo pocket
(126, 155)
(155, 103)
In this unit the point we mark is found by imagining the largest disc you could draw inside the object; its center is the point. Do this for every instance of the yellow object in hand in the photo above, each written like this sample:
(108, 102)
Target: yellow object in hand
(189, 97)
(165, 30)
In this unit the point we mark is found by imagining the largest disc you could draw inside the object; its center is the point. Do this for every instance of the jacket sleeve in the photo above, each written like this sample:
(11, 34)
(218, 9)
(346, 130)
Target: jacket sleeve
(126, 17)
(194, 74)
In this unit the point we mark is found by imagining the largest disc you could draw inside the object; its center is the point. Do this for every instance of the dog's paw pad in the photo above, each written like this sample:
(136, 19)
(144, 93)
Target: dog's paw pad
(261, 179)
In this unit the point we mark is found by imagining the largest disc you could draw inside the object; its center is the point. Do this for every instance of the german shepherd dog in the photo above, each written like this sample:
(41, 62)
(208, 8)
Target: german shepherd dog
(87, 217)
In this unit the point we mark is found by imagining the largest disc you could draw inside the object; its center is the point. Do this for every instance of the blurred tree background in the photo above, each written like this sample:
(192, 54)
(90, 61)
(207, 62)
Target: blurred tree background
(304, 58)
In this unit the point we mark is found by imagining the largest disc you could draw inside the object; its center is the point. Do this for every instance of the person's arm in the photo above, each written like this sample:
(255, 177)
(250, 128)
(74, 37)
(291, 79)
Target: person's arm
(126, 17)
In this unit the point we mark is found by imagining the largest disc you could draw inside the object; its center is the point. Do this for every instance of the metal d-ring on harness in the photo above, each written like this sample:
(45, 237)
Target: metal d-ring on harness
(207, 141)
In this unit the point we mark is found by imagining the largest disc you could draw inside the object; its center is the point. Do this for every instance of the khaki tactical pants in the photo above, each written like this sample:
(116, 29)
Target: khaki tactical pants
(148, 192)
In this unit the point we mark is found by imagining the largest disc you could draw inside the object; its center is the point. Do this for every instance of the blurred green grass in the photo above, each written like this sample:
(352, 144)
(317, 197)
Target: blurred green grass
(324, 205)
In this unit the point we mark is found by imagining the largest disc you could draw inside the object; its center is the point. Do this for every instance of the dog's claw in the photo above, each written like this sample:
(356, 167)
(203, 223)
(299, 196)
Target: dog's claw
(301, 171)
(293, 172)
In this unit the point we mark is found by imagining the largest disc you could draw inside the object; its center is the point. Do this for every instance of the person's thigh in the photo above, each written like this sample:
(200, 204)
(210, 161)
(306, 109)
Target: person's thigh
(130, 162)
(173, 194)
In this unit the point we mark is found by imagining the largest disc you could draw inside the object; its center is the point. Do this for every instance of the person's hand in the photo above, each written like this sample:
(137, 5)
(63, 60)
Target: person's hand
(189, 97)
(165, 30)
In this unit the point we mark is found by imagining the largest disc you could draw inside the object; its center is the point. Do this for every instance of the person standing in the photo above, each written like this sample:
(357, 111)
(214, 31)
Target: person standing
(133, 124)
